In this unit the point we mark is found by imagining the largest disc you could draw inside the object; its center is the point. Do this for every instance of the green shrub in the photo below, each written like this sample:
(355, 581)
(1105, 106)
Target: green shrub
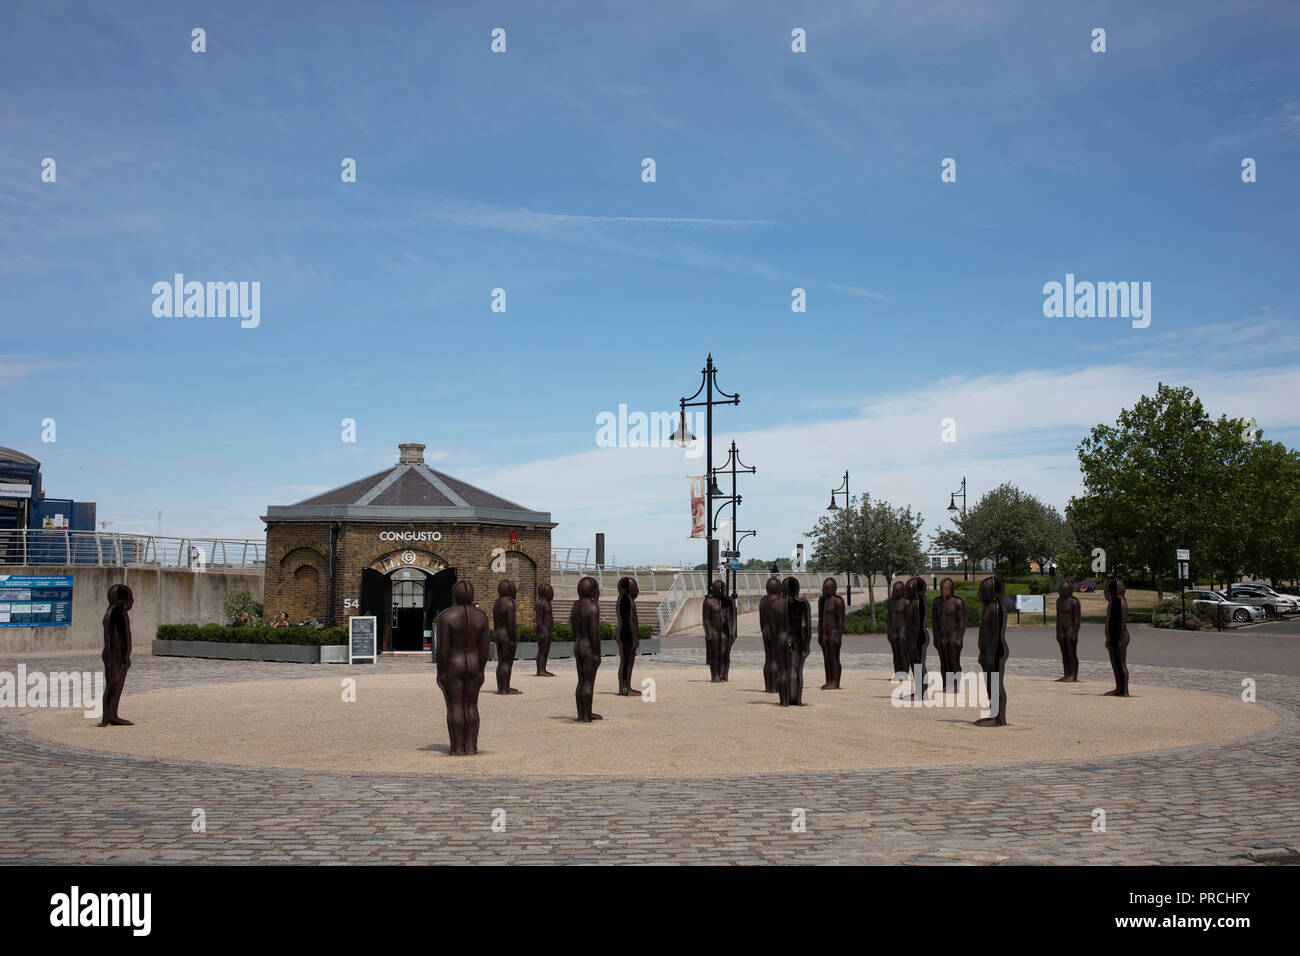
(255, 634)
(526, 633)
(238, 601)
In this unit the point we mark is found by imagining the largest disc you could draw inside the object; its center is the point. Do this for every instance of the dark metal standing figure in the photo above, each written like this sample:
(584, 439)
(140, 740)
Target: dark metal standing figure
(830, 631)
(769, 636)
(994, 650)
(949, 622)
(545, 627)
(1117, 635)
(918, 636)
(793, 646)
(728, 632)
(896, 629)
(117, 653)
(719, 631)
(506, 634)
(463, 639)
(627, 633)
(1067, 630)
(585, 621)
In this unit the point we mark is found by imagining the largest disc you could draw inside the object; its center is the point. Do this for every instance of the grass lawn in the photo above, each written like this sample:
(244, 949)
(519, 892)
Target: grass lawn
(1092, 608)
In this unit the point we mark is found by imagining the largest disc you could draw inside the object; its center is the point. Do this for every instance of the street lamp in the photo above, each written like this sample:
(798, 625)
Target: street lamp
(952, 506)
(848, 572)
(683, 435)
(733, 466)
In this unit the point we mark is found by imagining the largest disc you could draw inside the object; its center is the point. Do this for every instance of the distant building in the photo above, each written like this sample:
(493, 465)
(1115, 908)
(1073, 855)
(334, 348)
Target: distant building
(392, 544)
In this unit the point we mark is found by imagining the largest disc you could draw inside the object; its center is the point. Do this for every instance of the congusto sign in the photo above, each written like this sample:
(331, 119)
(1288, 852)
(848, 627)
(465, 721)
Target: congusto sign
(410, 536)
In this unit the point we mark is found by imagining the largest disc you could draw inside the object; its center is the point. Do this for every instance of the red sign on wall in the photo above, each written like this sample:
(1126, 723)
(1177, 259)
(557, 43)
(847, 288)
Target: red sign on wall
(514, 536)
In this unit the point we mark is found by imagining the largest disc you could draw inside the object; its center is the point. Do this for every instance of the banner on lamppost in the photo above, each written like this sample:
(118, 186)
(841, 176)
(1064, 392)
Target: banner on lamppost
(699, 520)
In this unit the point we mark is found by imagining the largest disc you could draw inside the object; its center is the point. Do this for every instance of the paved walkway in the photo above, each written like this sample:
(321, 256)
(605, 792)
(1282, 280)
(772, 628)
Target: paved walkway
(1236, 802)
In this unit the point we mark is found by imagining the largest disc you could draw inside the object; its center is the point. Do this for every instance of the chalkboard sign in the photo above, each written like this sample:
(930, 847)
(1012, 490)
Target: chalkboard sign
(363, 638)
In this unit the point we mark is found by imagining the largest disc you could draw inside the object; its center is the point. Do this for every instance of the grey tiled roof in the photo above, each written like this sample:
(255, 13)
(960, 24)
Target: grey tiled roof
(413, 491)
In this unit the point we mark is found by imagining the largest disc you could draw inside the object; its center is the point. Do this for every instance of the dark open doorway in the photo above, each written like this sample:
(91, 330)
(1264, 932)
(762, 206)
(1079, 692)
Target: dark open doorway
(376, 600)
(437, 595)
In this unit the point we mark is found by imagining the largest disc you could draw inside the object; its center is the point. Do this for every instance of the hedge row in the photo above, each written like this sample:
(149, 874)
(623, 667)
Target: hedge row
(563, 632)
(251, 634)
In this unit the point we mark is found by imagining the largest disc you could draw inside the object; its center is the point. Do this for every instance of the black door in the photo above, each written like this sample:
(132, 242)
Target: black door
(376, 596)
(437, 598)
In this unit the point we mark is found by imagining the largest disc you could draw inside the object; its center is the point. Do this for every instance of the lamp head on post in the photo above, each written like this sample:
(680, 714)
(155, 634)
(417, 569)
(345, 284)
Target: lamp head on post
(681, 434)
(952, 502)
(833, 506)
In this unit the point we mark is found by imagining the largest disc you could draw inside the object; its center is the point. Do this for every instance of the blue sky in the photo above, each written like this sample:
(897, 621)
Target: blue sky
(522, 171)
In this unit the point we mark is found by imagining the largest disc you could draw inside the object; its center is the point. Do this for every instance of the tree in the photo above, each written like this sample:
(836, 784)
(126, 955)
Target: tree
(1009, 525)
(871, 538)
(1165, 476)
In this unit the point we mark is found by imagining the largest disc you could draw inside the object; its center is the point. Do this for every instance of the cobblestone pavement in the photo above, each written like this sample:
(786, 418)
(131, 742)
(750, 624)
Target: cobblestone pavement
(1233, 802)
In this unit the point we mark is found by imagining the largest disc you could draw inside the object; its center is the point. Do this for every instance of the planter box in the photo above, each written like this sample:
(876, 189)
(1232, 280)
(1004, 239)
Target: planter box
(333, 653)
(560, 650)
(219, 650)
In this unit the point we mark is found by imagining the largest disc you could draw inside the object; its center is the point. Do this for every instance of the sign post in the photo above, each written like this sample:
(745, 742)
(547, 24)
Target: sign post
(363, 634)
(40, 600)
(1184, 557)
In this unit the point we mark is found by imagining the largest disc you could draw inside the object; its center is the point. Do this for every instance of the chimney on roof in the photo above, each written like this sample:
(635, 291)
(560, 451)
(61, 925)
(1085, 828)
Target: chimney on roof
(410, 453)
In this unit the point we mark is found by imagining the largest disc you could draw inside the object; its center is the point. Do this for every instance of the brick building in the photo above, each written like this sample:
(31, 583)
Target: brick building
(392, 544)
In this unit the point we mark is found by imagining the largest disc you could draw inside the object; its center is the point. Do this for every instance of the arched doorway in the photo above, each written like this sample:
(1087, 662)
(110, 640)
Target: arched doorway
(406, 602)
(406, 610)
(405, 590)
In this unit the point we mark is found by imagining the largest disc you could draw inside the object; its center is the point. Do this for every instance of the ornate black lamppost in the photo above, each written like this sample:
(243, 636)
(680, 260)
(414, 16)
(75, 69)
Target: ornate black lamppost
(952, 506)
(682, 435)
(733, 466)
(848, 572)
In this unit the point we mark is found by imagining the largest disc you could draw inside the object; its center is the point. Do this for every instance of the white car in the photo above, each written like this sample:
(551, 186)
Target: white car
(1215, 604)
(1265, 595)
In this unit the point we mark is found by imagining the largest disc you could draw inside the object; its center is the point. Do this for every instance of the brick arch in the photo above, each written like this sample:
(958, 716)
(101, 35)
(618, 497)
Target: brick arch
(297, 556)
(396, 558)
(525, 550)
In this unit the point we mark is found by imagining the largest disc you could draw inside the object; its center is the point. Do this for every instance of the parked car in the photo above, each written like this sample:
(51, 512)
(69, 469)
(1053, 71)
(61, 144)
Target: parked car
(1264, 596)
(1212, 604)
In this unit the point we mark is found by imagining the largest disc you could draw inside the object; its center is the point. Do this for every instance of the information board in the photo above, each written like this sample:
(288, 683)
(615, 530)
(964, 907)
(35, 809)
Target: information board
(35, 600)
(363, 637)
(1029, 602)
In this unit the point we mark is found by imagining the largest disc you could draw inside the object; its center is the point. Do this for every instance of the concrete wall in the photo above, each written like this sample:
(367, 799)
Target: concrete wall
(162, 596)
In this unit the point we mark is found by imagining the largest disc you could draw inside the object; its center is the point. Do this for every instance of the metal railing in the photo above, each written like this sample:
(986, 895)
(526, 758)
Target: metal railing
(116, 549)
(570, 559)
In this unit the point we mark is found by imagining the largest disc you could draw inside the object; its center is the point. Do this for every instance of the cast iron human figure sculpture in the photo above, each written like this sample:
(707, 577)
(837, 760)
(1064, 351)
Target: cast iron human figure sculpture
(918, 636)
(949, 622)
(994, 650)
(1067, 630)
(1117, 635)
(896, 629)
(793, 646)
(830, 631)
(545, 627)
(117, 653)
(463, 639)
(719, 631)
(585, 621)
(627, 633)
(769, 639)
(506, 634)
